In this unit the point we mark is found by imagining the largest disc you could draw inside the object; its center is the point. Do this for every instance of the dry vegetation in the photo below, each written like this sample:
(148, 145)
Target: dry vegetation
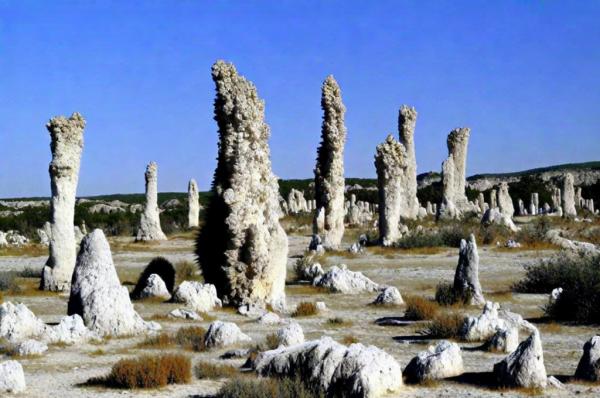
(420, 309)
(444, 326)
(189, 338)
(209, 370)
(305, 308)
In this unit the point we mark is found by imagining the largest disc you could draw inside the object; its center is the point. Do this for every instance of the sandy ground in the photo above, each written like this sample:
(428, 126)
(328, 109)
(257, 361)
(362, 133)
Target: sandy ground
(59, 372)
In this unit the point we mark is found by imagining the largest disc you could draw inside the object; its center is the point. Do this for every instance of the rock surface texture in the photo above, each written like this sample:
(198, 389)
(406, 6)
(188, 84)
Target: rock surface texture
(197, 296)
(97, 295)
(149, 228)
(407, 120)
(466, 278)
(524, 367)
(222, 334)
(329, 171)
(454, 200)
(342, 280)
(439, 362)
(12, 378)
(391, 165)
(242, 248)
(193, 204)
(66, 146)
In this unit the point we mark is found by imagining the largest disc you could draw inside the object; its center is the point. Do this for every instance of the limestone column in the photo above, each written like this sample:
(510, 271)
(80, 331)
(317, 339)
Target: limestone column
(568, 196)
(407, 120)
(149, 228)
(193, 204)
(66, 145)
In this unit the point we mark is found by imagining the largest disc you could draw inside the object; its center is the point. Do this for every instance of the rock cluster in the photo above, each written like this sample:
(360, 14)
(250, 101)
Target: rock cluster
(391, 165)
(407, 119)
(342, 280)
(97, 295)
(466, 277)
(334, 369)
(329, 170)
(242, 248)
(149, 228)
(193, 204)
(66, 146)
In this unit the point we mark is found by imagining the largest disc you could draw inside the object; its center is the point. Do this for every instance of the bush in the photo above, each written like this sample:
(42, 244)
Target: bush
(419, 308)
(418, 240)
(191, 338)
(208, 370)
(446, 295)
(161, 340)
(148, 372)
(271, 342)
(186, 271)
(337, 321)
(579, 276)
(305, 308)
(267, 388)
(445, 326)
(8, 281)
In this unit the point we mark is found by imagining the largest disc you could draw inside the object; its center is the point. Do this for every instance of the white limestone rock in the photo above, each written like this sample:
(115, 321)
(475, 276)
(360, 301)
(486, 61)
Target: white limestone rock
(524, 367)
(389, 296)
(342, 280)
(391, 164)
(222, 334)
(407, 119)
(182, 313)
(494, 216)
(589, 364)
(242, 248)
(506, 339)
(193, 204)
(97, 295)
(66, 146)
(484, 326)
(310, 272)
(329, 170)
(70, 330)
(439, 362)
(568, 196)
(18, 323)
(270, 318)
(155, 287)
(149, 229)
(505, 203)
(30, 348)
(466, 277)
(197, 296)
(290, 335)
(12, 378)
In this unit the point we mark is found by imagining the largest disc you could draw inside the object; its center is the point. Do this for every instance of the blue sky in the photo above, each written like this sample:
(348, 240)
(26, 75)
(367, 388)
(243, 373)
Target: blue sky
(524, 75)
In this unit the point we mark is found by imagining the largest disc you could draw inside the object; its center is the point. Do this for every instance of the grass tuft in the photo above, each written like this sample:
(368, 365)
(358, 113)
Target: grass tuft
(305, 308)
(419, 308)
(209, 370)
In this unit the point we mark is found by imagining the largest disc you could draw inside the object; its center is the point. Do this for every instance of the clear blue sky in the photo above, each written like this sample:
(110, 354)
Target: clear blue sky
(524, 75)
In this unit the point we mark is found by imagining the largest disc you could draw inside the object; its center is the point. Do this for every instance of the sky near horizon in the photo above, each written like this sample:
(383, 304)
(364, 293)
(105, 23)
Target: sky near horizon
(523, 75)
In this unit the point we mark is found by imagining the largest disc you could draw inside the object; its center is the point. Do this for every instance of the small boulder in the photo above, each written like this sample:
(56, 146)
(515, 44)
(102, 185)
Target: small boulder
(182, 313)
(197, 296)
(439, 362)
(589, 364)
(222, 334)
(270, 318)
(30, 348)
(12, 378)
(161, 267)
(155, 287)
(484, 326)
(253, 310)
(290, 335)
(70, 330)
(506, 339)
(342, 280)
(18, 323)
(389, 296)
(524, 367)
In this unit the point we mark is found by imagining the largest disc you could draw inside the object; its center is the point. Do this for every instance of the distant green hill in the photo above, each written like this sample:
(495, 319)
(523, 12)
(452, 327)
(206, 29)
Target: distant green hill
(567, 166)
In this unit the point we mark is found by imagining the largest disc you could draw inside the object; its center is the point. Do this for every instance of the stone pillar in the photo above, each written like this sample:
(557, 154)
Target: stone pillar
(329, 171)
(193, 204)
(391, 164)
(242, 248)
(458, 141)
(466, 277)
(66, 145)
(578, 199)
(568, 196)
(149, 228)
(481, 201)
(493, 199)
(407, 120)
(505, 202)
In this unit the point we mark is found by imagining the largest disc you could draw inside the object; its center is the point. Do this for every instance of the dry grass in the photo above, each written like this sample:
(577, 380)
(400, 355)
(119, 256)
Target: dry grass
(191, 338)
(551, 327)
(419, 308)
(305, 308)
(349, 339)
(160, 341)
(147, 371)
(187, 271)
(338, 322)
(271, 341)
(208, 370)
(305, 289)
(30, 250)
(97, 353)
(267, 387)
(27, 287)
(444, 326)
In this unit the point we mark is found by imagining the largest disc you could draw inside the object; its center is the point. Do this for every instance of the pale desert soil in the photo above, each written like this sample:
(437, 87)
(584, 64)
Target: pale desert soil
(59, 372)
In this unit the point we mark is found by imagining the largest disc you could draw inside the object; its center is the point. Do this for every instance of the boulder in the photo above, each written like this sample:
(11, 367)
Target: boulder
(439, 362)
(182, 313)
(18, 323)
(291, 334)
(270, 318)
(161, 267)
(466, 277)
(12, 378)
(70, 330)
(155, 287)
(97, 295)
(589, 364)
(524, 367)
(342, 280)
(484, 326)
(222, 334)
(30, 348)
(505, 339)
(494, 216)
(389, 296)
(197, 296)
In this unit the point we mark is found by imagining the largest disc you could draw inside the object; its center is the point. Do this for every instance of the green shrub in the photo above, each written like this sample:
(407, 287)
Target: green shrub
(578, 275)
(267, 388)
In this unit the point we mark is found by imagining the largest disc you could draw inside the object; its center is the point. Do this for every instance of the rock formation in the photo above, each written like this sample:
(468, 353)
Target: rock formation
(222, 334)
(290, 335)
(12, 378)
(407, 119)
(568, 197)
(66, 146)
(159, 266)
(296, 202)
(589, 364)
(454, 200)
(97, 295)
(493, 199)
(389, 296)
(524, 367)
(329, 171)
(193, 204)
(505, 203)
(439, 362)
(466, 278)
(197, 296)
(242, 248)
(149, 228)
(391, 165)
(534, 204)
(342, 280)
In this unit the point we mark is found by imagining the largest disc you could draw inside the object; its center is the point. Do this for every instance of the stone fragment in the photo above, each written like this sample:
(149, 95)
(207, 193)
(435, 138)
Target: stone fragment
(242, 248)
(329, 170)
(439, 362)
(193, 204)
(155, 287)
(466, 277)
(182, 313)
(12, 378)
(30, 348)
(290, 335)
(149, 228)
(66, 146)
(342, 280)
(197, 296)
(270, 318)
(222, 334)
(524, 367)
(389, 296)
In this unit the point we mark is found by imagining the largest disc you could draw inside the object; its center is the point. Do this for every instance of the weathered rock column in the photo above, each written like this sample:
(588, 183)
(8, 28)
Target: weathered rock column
(493, 199)
(329, 172)
(568, 196)
(149, 228)
(534, 204)
(242, 248)
(391, 165)
(407, 120)
(66, 146)
(505, 202)
(455, 201)
(481, 202)
(193, 204)
(466, 277)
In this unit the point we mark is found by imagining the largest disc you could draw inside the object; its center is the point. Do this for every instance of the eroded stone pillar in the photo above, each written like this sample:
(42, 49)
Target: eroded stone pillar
(149, 228)
(193, 204)
(407, 120)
